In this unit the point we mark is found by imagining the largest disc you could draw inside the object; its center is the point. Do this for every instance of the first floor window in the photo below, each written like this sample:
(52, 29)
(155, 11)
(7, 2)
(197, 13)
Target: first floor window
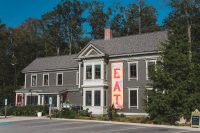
(88, 98)
(60, 79)
(32, 100)
(97, 71)
(45, 79)
(97, 96)
(105, 98)
(133, 98)
(34, 80)
(88, 72)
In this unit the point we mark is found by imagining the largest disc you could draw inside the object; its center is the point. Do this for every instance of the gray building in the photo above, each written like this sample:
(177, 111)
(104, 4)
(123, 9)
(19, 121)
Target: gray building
(105, 72)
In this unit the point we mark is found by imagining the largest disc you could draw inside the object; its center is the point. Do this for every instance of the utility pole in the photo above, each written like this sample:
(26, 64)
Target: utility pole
(139, 19)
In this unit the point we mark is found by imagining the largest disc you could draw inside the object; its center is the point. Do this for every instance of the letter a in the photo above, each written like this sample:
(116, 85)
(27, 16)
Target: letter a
(117, 87)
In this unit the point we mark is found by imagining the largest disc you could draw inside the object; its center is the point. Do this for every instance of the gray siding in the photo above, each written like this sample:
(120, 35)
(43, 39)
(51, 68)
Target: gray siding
(69, 78)
(75, 98)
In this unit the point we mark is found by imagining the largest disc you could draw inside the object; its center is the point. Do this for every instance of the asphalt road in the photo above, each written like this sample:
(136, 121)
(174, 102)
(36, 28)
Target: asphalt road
(62, 126)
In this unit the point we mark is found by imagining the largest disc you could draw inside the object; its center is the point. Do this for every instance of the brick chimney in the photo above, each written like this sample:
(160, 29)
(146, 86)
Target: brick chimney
(107, 34)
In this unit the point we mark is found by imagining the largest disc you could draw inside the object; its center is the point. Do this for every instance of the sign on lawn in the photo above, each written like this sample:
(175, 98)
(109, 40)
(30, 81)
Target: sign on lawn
(195, 118)
(6, 102)
(50, 100)
(117, 84)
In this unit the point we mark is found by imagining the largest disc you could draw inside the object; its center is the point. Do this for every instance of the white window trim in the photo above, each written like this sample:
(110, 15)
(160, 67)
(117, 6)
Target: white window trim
(147, 71)
(129, 63)
(32, 80)
(57, 79)
(43, 79)
(129, 103)
(85, 74)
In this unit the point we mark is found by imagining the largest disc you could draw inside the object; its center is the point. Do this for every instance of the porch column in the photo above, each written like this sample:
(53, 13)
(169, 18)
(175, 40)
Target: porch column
(25, 99)
(58, 101)
(42, 99)
(38, 99)
(79, 76)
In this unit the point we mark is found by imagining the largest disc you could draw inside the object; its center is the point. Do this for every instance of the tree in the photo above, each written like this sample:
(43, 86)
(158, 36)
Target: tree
(63, 25)
(176, 79)
(97, 19)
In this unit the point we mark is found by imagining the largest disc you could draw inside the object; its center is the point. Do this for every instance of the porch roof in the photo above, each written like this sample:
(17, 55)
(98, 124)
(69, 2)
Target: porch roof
(48, 89)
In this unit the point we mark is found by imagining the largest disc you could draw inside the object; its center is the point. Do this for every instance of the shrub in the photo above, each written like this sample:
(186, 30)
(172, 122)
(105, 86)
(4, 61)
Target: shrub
(85, 113)
(29, 110)
(65, 113)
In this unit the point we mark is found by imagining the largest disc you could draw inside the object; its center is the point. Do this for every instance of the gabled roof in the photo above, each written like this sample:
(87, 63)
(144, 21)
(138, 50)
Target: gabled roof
(147, 42)
(52, 63)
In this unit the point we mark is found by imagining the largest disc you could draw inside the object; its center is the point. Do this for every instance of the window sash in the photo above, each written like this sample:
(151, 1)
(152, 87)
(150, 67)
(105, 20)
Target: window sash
(88, 98)
(97, 98)
(88, 72)
(97, 71)
(133, 70)
(34, 80)
(150, 68)
(133, 98)
(60, 79)
(46, 80)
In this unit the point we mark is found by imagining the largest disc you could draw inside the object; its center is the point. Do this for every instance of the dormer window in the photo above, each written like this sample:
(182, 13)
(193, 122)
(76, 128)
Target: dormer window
(45, 79)
(33, 80)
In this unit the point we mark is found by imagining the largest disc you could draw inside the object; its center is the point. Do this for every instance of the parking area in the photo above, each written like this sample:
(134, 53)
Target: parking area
(74, 126)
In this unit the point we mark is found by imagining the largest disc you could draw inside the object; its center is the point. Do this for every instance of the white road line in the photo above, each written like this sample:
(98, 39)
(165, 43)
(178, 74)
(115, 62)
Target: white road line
(82, 127)
(54, 124)
(123, 129)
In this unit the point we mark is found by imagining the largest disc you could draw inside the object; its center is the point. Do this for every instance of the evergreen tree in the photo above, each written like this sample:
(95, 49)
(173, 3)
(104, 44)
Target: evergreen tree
(176, 79)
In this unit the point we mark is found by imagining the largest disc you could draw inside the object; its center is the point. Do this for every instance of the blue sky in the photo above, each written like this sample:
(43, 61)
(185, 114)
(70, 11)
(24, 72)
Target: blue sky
(14, 12)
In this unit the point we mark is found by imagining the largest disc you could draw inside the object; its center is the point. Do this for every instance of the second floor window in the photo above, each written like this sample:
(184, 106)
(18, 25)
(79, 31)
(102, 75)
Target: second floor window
(45, 79)
(97, 71)
(89, 72)
(151, 65)
(133, 70)
(59, 79)
(33, 80)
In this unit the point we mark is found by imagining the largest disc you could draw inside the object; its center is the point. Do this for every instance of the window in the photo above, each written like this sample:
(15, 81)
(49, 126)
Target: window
(133, 98)
(46, 79)
(105, 98)
(32, 100)
(88, 98)
(88, 72)
(59, 78)
(148, 91)
(97, 96)
(97, 71)
(150, 68)
(33, 80)
(133, 70)
(54, 100)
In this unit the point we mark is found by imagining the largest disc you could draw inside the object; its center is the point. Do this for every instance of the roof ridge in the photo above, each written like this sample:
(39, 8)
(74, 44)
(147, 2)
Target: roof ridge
(114, 38)
(55, 56)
